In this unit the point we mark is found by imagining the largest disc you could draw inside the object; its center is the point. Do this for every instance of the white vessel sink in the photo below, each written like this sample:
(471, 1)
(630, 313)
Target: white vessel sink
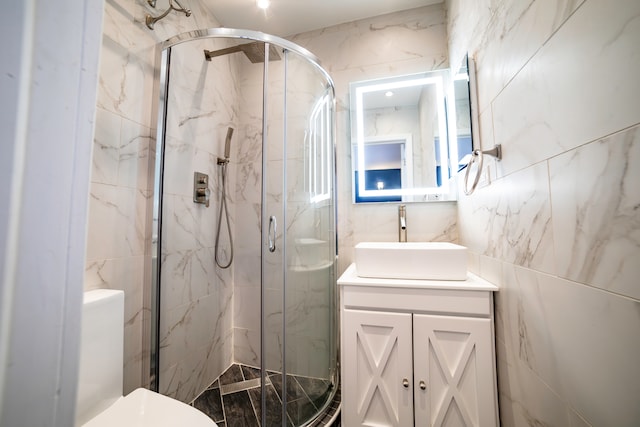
(411, 260)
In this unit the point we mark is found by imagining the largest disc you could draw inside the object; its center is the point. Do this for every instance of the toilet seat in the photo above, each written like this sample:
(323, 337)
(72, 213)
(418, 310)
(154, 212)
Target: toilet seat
(145, 408)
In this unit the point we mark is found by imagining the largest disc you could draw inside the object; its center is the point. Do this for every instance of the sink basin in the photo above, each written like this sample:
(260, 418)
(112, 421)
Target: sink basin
(411, 260)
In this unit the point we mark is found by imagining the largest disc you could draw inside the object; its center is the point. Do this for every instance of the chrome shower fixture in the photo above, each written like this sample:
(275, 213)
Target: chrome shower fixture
(254, 52)
(227, 147)
(151, 20)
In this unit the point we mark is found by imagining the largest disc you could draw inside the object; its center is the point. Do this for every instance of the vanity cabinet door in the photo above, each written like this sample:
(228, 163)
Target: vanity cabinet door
(378, 369)
(453, 368)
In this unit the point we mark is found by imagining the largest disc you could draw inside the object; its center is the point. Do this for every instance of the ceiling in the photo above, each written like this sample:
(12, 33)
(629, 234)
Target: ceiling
(289, 17)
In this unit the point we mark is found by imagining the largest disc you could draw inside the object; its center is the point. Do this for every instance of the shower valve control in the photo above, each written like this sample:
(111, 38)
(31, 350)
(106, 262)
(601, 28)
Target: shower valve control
(201, 188)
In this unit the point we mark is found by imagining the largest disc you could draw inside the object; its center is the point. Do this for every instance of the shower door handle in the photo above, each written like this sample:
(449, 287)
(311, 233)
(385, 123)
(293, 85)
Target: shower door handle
(273, 228)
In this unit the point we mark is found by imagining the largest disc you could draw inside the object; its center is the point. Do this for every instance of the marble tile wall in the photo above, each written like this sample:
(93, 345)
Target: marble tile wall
(558, 226)
(118, 246)
(399, 43)
(196, 299)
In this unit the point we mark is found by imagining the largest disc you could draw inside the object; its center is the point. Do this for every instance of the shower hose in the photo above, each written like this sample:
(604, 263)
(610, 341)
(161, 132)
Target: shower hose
(223, 207)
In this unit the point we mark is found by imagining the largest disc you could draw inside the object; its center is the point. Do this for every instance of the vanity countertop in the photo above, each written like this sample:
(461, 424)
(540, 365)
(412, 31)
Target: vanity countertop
(473, 282)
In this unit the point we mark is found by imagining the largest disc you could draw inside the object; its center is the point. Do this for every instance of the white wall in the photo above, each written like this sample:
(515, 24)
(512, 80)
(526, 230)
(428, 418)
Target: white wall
(558, 227)
(48, 83)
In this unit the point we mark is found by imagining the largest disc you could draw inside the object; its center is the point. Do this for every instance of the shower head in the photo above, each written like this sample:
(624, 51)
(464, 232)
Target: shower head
(227, 143)
(254, 51)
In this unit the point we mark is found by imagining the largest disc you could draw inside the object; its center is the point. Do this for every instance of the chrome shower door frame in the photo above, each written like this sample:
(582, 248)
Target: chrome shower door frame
(151, 331)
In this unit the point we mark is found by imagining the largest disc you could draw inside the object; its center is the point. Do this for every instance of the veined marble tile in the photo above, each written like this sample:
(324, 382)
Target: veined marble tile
(246, 307)
(596, 221)
(186, 328)
(178, 167)
(126, 82)
(518, 30)
(116, 222)
(581, 341)
(388, 38)
(307, 356)
(187, 225)
(247, 238)
(524, 398)
(511, 219)
(187, 276)
(246, 346)
(106, 145)
(425, 222)
(133, 155)
(560, 113)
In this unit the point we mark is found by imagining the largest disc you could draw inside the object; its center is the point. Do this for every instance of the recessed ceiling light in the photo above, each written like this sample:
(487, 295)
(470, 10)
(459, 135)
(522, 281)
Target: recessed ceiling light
(263, 4)
(388, 94)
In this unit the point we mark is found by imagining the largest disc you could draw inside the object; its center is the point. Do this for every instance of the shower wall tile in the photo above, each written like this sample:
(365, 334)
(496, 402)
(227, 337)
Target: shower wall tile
(187, 225)
(246, 346)
(248, 238)
(199, 107)
(246, 307)
(596, 219)
(198, 295)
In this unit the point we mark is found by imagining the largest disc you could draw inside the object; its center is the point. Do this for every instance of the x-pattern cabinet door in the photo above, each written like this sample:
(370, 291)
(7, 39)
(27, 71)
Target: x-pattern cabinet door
(453, 379)
(378, 388)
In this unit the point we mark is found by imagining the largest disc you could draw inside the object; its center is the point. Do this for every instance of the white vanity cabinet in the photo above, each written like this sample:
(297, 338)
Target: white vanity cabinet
(417, 352)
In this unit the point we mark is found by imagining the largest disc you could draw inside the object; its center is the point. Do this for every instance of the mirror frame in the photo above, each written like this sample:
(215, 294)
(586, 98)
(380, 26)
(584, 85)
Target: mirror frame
(440, 80)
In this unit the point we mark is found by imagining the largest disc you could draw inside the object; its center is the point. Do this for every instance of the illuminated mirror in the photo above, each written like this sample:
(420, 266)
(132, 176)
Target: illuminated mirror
(400, 143)
(410, 135)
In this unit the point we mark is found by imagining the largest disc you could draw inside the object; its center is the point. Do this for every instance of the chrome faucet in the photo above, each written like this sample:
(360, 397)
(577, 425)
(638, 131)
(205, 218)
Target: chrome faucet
(402, 223)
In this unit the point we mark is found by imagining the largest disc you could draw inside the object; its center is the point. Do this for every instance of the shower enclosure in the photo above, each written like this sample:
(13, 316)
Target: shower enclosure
(269, 320)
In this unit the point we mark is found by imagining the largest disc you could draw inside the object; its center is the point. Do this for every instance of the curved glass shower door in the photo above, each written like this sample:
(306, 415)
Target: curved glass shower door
(298, 247)
(260, 335)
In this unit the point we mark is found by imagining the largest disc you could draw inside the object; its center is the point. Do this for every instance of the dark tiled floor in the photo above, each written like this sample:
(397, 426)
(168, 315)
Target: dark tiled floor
(234, 399)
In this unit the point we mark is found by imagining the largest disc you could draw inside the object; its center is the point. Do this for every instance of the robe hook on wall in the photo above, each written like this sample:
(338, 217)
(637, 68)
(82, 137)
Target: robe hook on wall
(477, 156)
(151, 20)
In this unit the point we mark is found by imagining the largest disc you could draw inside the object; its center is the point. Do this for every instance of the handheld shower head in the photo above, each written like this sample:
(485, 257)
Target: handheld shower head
(227, 148)
(227, 143)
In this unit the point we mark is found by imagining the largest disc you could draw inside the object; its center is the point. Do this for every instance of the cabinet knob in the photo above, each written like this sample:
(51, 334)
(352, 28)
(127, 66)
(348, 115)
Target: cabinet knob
(423, 385)
(405, 383)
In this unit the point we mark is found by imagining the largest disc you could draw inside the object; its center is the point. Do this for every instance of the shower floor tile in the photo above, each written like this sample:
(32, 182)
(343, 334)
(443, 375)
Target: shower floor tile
(234, 399)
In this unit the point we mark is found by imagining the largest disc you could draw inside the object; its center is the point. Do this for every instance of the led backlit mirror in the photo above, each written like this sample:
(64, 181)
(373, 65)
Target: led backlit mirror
(402, 142)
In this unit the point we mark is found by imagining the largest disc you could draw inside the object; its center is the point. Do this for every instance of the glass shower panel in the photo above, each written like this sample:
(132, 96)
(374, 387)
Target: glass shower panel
(309, 240)
(273, 247)
(195, 296)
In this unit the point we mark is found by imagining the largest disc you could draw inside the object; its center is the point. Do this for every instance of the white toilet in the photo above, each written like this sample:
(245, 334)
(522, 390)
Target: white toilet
(100, 401)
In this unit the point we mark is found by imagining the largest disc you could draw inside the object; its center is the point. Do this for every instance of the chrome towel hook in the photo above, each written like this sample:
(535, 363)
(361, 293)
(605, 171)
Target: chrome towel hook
(151, 20)
(477, 156)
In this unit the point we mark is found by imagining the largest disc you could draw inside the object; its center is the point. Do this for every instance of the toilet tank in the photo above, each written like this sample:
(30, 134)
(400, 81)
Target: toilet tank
(101, 352)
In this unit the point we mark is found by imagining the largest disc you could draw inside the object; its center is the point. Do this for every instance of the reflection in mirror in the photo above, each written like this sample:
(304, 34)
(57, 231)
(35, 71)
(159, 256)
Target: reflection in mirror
(410, 135)
(399, 139)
